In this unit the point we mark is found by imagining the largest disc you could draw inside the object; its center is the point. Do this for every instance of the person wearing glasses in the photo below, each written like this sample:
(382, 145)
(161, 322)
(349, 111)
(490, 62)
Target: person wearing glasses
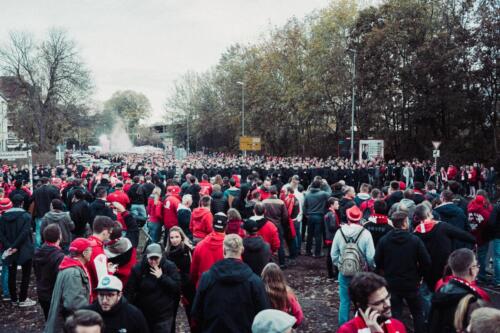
(154, 287)
(372, 301)
(462, 282)
(117, 313)
(402, 257)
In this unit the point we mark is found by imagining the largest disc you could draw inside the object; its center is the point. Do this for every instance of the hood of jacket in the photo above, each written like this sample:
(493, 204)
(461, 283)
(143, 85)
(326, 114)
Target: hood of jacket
(12, 214)
(261, 221)
(448, 210)
(398, 236)
(200, 212)
(45, 254)
(56, 216)
(231, 271)
(254, 244)
(68, 262)
(351, 229)
(410, 204)
(214, 240)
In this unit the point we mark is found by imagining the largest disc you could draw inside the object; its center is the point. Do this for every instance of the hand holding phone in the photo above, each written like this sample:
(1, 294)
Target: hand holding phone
(370, 316)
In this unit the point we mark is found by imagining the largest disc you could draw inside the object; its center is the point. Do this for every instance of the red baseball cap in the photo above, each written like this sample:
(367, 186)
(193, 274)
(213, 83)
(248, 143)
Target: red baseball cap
(79, 245)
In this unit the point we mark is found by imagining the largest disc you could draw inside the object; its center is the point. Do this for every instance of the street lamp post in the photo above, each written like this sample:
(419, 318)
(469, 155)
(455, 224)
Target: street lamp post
(353, 101)
(242, 84)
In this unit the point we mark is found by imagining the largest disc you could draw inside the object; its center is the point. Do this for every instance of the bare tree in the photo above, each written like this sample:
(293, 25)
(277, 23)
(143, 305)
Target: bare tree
(54, 82)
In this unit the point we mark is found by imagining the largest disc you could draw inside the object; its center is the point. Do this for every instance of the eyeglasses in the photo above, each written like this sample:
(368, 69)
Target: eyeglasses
(382, 301)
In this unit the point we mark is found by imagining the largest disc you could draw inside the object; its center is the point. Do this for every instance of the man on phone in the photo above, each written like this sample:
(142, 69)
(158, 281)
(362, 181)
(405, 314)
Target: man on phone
(369, 294)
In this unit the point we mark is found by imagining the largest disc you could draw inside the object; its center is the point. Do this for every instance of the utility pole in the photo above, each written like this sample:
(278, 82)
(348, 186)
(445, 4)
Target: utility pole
(353, 101)
(242, 111)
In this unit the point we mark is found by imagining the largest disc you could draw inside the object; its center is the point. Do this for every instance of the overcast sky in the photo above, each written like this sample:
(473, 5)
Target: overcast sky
(144, 45)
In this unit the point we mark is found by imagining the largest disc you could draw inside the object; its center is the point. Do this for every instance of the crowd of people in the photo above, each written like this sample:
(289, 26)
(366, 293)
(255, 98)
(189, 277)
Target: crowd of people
(122, 247)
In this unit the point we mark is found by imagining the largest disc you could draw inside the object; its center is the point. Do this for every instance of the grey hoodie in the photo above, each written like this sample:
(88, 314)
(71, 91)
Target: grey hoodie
(365, 243)
(64, 221)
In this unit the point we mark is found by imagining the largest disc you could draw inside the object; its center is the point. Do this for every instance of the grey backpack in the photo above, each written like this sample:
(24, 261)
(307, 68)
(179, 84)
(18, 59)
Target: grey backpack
(352, 261)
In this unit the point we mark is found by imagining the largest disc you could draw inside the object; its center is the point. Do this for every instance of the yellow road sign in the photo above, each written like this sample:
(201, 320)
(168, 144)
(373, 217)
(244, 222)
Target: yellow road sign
(250, 143)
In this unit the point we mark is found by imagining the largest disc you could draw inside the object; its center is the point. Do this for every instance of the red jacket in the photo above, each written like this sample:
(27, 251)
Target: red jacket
(170, 206)
(98, 263)
(235, 227)
(478, 213)
(357, 325)
(201, 222)
(206, 253)
(206, 188)
(123, 272)
(269, 233)
(120, 197)
(154, 211)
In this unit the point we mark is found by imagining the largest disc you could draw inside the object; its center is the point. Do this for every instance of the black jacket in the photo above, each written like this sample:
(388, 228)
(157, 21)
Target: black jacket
(181, 257)
(46, 263)
(443, 306)
(81, 215)
(402, 257)
(43, 197)
(228, 297)
(218, 203)
(136, 194)
(315, 202)
(123, 317)
(15, 232)
(439, 243)
(98, 207)
(155, 297)
(455, 216)
(393, 198)
(257, 253)
(132, 232)
(147, 189)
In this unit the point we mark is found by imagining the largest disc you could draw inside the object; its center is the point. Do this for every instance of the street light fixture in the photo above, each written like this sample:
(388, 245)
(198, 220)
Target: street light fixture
(242, 84)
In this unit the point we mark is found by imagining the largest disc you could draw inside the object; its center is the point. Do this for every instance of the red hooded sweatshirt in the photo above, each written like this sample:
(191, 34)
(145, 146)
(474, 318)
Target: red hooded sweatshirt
(478, 213)
(201, 222)
(170, 206)
(206, 253)
(154, 210)
(68, 262)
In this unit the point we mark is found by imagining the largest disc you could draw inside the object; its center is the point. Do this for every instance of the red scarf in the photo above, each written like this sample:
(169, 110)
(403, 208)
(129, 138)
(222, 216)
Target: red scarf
(425, 227)
(483, 294)
(290, 202)
(362, 328)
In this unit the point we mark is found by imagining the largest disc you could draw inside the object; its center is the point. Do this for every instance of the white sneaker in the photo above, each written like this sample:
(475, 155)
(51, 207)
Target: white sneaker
(27, 302)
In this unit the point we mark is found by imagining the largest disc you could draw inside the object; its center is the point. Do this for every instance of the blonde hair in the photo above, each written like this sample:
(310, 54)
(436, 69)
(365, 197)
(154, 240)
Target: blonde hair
(184, 239)
(465, 307)
(233, 246)
(485, 320)
(233, 214)
(157, 194)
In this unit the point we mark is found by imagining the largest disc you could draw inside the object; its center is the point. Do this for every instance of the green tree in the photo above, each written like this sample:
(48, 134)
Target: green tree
(130, 106)
(54, 84)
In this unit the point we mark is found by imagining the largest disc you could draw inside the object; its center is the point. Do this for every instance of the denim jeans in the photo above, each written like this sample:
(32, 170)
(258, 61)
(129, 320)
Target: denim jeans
(426, 296)
(138, 210)
(281, 250)
(298, 238)
(38, 232)
(496, 260)
(345, 300)
(482, 254)
(154, 230)
(5, 279)
(314, 230)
